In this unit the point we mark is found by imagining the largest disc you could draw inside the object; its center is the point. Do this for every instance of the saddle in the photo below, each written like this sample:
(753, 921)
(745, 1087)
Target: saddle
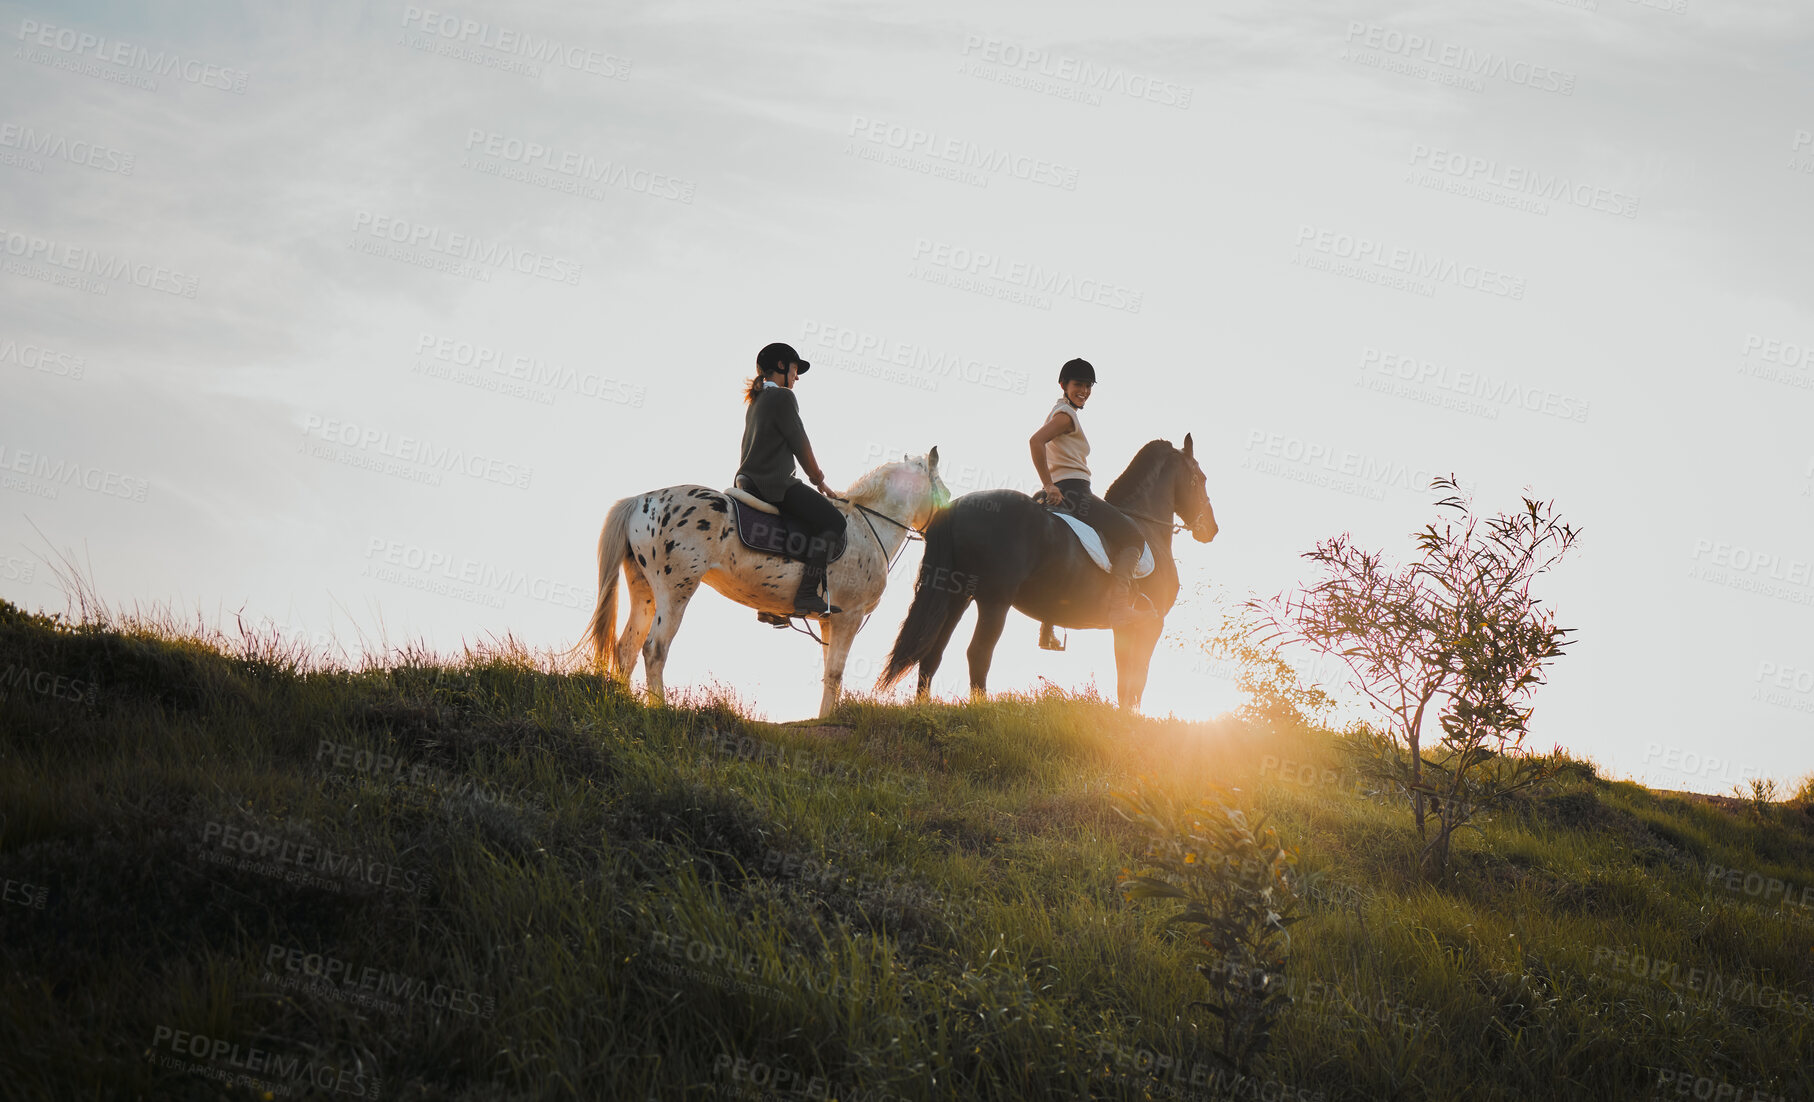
(762, 527)
(1092, 545)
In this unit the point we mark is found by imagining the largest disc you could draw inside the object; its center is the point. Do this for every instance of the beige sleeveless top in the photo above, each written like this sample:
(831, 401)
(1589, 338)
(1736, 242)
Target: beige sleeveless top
(1068, 456)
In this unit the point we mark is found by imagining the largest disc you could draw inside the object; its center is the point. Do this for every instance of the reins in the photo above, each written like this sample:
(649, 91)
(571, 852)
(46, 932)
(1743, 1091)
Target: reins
(912, 533)
(1175, 526)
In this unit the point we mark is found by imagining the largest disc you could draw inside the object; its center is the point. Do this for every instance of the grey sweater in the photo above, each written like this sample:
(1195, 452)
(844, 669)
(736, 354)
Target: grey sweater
(773, 438)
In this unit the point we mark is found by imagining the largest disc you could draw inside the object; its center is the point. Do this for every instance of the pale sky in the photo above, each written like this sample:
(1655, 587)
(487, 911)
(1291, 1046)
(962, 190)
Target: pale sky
(1545, 245)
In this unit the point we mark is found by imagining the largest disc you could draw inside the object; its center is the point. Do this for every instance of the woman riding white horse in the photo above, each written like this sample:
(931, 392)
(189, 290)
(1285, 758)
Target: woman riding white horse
(668, 541)
(773, 437)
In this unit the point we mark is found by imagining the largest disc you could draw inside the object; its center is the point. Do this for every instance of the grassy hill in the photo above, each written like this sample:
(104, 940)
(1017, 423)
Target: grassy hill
(228, 874)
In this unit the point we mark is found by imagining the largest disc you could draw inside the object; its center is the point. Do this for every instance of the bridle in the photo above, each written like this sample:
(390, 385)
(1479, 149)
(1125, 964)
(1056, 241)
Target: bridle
(1166, 523)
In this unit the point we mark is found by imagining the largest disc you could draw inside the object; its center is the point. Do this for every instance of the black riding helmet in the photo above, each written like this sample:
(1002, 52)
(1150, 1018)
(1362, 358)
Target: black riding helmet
(1077, 370)
(776, 357)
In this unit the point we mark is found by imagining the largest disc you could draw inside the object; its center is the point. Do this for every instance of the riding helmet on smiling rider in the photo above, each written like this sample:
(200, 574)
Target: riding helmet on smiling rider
(1061, 452)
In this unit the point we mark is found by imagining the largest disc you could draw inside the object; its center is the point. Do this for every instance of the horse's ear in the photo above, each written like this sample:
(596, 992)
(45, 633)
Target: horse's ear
(1187, 445)
(932, 459)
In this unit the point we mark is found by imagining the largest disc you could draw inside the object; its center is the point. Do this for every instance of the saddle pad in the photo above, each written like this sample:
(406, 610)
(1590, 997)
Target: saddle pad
(778, 534)
(1092, 543)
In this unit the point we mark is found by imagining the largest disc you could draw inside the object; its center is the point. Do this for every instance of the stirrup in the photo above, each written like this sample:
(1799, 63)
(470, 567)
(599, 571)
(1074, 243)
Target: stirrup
(1048, 639)
(774, 619)
(822, 595)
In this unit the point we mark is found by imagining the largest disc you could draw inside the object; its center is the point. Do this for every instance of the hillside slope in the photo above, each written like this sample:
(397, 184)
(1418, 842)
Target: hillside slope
(227, 874)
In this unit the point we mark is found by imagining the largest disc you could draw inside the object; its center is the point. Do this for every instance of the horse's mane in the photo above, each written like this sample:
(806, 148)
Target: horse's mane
(1148, 461)
(872, 482)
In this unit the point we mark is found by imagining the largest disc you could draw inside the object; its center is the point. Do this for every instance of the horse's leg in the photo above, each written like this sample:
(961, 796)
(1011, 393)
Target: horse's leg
(670, 605)
(839, 632)
(1133, 659)
(990, 619)
(641, 613)
(930, 664)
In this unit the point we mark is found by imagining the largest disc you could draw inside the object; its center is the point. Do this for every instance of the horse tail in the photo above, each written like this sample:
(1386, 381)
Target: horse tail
(933, 604)
(613, 549)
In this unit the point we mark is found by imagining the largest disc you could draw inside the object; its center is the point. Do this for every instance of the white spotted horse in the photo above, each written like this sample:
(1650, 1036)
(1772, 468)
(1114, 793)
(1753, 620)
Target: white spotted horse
(1003, 550)
(669, 541)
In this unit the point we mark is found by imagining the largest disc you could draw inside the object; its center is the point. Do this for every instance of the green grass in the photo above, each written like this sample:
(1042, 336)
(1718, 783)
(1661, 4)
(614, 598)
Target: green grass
(562, 893)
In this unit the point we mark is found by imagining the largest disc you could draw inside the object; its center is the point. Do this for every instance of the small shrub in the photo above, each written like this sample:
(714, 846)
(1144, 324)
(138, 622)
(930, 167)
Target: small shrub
(1276, 694)
(1455, 639)
(1237, 886)
(1758, 794)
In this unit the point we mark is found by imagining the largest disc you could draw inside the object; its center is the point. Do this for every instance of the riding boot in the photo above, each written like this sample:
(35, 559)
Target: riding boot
(808, 601)
(1125, 603)
(1048, 639)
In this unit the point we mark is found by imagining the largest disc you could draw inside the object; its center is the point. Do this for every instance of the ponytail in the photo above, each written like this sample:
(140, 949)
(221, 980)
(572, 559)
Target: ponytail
(753, 388)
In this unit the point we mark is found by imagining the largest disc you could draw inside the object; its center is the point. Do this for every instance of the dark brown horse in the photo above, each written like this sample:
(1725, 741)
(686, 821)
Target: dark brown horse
(1003, 550)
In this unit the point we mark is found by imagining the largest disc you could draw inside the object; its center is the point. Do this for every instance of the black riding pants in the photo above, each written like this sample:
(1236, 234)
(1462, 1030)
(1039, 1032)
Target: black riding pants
(1116, 530)
(814, 510)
